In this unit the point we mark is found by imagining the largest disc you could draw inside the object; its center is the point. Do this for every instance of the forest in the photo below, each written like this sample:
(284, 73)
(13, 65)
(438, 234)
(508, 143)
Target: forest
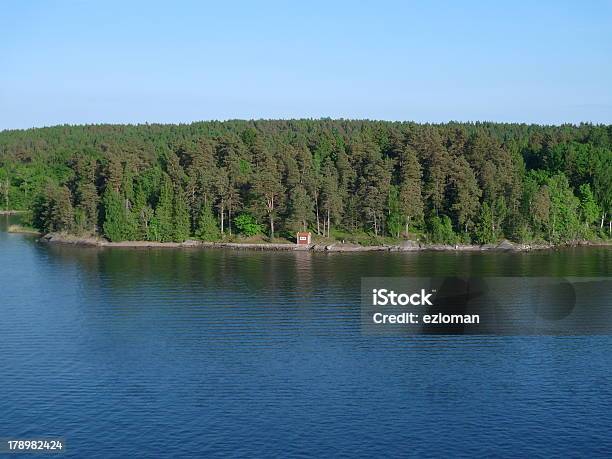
(361, 181)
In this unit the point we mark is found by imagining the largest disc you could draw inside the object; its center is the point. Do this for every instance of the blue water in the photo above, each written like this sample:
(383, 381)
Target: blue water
(212, 353)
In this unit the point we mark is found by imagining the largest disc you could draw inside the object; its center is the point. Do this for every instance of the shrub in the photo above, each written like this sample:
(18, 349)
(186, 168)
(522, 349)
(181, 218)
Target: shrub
(441, 230)
(247, 225)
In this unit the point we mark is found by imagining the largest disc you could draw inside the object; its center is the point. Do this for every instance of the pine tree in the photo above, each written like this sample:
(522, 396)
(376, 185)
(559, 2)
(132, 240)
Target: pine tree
(87, 202)
(113, 172)
(438, 164)
(233, 158)
(201, 175)
(85, 193)
(465, 194)
(223, 191)
(589, 210)
(52, 210)
(207, 228)
(113, 216)
(373, 187)
(535, 181)
(540, 209)
(331, 195)
(301, 208)
(142, 212)
(182, 224)
(162, 228)
(564, 207)
(395, 218)
(485, 231)
(268, 188)
(410, 194)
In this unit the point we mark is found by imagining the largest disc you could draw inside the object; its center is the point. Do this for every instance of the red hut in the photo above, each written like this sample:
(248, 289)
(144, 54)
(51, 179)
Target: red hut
(303, 238)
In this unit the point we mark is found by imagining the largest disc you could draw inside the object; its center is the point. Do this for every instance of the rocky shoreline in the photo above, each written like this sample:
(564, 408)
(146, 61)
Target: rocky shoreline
(12, 212)
(407, 246)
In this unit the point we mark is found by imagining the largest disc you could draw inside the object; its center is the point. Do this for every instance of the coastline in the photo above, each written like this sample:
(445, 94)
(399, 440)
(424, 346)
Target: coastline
(12, 212)
(407, 246)
(19, 229)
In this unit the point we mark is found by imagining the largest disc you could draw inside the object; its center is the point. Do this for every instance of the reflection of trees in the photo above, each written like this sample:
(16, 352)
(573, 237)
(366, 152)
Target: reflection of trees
(302, 274)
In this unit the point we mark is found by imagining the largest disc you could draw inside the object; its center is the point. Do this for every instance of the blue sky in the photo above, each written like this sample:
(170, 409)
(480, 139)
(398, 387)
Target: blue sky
(180, 61)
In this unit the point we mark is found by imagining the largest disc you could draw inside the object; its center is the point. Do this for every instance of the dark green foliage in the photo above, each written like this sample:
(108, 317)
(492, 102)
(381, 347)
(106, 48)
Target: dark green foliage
(119, 222)
(207, 228)
(85, 194)
(162, 227)
(471, 181)
(564, 207)
(267, 187)
(52, 210)
(485, 231)
(464, 194)
(301, 209)
(182, 226)
(410, 197)
(395, 217)
(331, 196)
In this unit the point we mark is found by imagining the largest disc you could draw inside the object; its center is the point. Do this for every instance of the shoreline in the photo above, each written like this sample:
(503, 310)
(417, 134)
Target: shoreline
(12, 212)
(19, 229)
(407, 246)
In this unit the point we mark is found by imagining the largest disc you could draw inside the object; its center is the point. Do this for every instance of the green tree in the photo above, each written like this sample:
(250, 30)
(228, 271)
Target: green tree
(540, 209)
(301, 208)
(441, 230)
(485, 231)
(53, 211)
(142, 212)
(410, 193)
(438, 164)
(589, 210)
(247, 225)
(181, 220)
(114, 217)
(373, 187)
(268, 188)
(348, 170)
(564, 206)
(119, 222)
(85, 193)
(465, 194)
(395, 217)
(331, 195)
(162, 228)
(207, 229)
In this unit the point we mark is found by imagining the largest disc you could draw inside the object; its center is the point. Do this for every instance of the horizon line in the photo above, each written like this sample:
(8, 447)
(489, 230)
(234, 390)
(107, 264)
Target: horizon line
(323, 118)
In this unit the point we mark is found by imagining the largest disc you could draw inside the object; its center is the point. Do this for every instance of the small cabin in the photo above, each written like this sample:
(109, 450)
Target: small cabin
(303, 238)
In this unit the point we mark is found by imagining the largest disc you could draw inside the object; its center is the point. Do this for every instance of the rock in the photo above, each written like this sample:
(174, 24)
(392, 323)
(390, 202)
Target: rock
(506, 245)
(408, 246)
(488, 247)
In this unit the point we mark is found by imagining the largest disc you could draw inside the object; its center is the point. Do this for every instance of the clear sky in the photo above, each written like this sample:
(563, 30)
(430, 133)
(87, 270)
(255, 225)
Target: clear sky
(181, 61)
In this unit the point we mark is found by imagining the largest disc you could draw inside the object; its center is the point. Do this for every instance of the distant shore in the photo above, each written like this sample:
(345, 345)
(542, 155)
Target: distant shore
(406, 246)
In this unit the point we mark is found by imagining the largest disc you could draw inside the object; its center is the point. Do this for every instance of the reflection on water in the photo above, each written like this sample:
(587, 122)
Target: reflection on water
(221, 353)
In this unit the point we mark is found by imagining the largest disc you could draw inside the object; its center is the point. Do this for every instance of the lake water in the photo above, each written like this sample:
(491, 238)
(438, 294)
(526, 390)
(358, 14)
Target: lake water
(214, 353)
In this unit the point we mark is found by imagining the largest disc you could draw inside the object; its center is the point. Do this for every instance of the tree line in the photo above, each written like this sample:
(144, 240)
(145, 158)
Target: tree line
(446, 183)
